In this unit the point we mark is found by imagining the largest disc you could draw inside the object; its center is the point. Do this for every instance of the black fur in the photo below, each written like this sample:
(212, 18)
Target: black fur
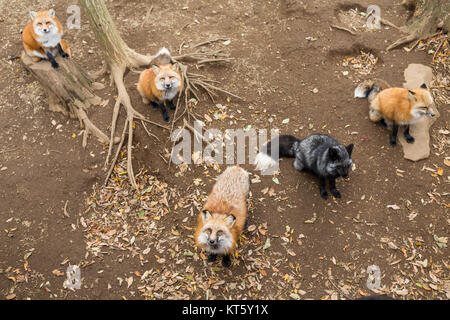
(320, 154)
(226, 261)
(61, 51)
(52, 60)
(285, 143)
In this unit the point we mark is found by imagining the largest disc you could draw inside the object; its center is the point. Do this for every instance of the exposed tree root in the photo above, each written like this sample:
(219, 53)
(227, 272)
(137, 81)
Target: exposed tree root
(429, 16)
(404, 40)
(69, 91)
(119, 58)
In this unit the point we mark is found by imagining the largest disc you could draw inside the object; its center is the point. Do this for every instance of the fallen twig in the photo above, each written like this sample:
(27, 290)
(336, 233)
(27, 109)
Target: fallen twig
(343, 29)
(209, 41)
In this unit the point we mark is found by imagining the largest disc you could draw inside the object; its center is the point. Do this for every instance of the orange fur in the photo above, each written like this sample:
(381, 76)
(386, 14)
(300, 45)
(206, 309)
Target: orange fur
(223, 202)
(31, 41)
(397, 105)
(147, 82)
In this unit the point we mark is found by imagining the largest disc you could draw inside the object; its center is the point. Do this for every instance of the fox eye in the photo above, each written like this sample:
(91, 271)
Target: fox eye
(219, 233)
(208, 231)
(39, 24)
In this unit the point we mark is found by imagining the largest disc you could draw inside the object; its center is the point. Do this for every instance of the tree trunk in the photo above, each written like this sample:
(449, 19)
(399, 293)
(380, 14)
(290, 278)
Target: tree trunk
(68, 91)
(107, 35)
(428, 17)
(119, 57)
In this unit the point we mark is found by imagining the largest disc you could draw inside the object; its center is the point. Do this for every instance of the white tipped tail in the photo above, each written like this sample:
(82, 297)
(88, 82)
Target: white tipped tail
(360, 92)
(264, 162)
(163, 51)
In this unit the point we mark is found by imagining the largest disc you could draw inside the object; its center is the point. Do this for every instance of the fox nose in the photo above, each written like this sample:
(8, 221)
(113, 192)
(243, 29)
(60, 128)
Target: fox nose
(168, 85)
(212, 241)
(45, 30)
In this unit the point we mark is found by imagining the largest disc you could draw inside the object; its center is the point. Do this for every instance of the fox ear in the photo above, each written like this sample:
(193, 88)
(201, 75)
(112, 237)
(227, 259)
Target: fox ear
(349, 149)
(33, 14)
(332, 153)
(155, 69)
(411, 95)
(230, 220)
(175, 67)
(424, 86)
(51, 12)
(206, 215)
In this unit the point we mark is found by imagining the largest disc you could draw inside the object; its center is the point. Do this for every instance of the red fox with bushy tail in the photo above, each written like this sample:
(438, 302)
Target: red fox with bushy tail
(224, 215)
(42, 37)
(160, 83)
(396, 106)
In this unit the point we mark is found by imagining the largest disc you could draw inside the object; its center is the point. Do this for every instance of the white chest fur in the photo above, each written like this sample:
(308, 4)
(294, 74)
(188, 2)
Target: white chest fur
(50, 40)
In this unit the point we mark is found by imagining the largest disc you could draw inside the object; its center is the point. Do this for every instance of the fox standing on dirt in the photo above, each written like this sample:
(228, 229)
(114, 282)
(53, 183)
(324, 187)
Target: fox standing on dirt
(160, 83)
(320, 154)
(224, 215)
(42, 37)
(396, 106)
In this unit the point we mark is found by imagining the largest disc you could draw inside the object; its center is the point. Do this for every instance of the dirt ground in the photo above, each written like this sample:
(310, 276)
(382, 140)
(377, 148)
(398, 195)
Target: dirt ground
(288, 64)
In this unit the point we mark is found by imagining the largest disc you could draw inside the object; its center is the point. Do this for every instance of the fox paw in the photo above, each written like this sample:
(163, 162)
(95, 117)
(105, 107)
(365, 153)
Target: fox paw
(393, 142)
(212, 257)
(324, 194)
(410, 139)
(166, 119)
(336, 193)
(226, 261)
(64, 55)
(55, 65)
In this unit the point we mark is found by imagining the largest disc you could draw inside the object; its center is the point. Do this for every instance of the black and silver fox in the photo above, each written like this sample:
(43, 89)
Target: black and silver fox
(319, 153)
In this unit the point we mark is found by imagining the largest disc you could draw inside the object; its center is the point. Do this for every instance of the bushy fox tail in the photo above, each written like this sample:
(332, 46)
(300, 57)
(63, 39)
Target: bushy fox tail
(162, 57)
(370, 88)
(269, 156)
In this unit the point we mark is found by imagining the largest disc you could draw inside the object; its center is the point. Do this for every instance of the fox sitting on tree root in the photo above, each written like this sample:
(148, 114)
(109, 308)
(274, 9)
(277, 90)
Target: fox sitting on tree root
(42, 37)
(160, 83)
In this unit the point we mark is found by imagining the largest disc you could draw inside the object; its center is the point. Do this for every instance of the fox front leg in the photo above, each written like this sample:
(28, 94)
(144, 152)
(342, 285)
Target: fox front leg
(172, 106)
(164, 112)
(226, 261)
(383, 123)
(323, 190)
(333, 189)
(393, 137)
(61, 51)
(212, 257)
(155, 105)
(409, 138)
(52, 60)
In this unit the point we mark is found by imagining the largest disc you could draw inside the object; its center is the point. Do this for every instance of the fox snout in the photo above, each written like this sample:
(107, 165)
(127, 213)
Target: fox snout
(168, 85)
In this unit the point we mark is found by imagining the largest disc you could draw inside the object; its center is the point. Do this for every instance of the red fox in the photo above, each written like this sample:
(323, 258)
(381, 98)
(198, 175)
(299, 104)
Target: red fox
(160, 83)
(397, 106)
(224, 215)
(42, 37)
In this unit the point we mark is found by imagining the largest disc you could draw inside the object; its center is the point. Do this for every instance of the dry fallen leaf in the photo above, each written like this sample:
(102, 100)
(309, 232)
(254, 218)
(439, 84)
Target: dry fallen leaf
(58, 273)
